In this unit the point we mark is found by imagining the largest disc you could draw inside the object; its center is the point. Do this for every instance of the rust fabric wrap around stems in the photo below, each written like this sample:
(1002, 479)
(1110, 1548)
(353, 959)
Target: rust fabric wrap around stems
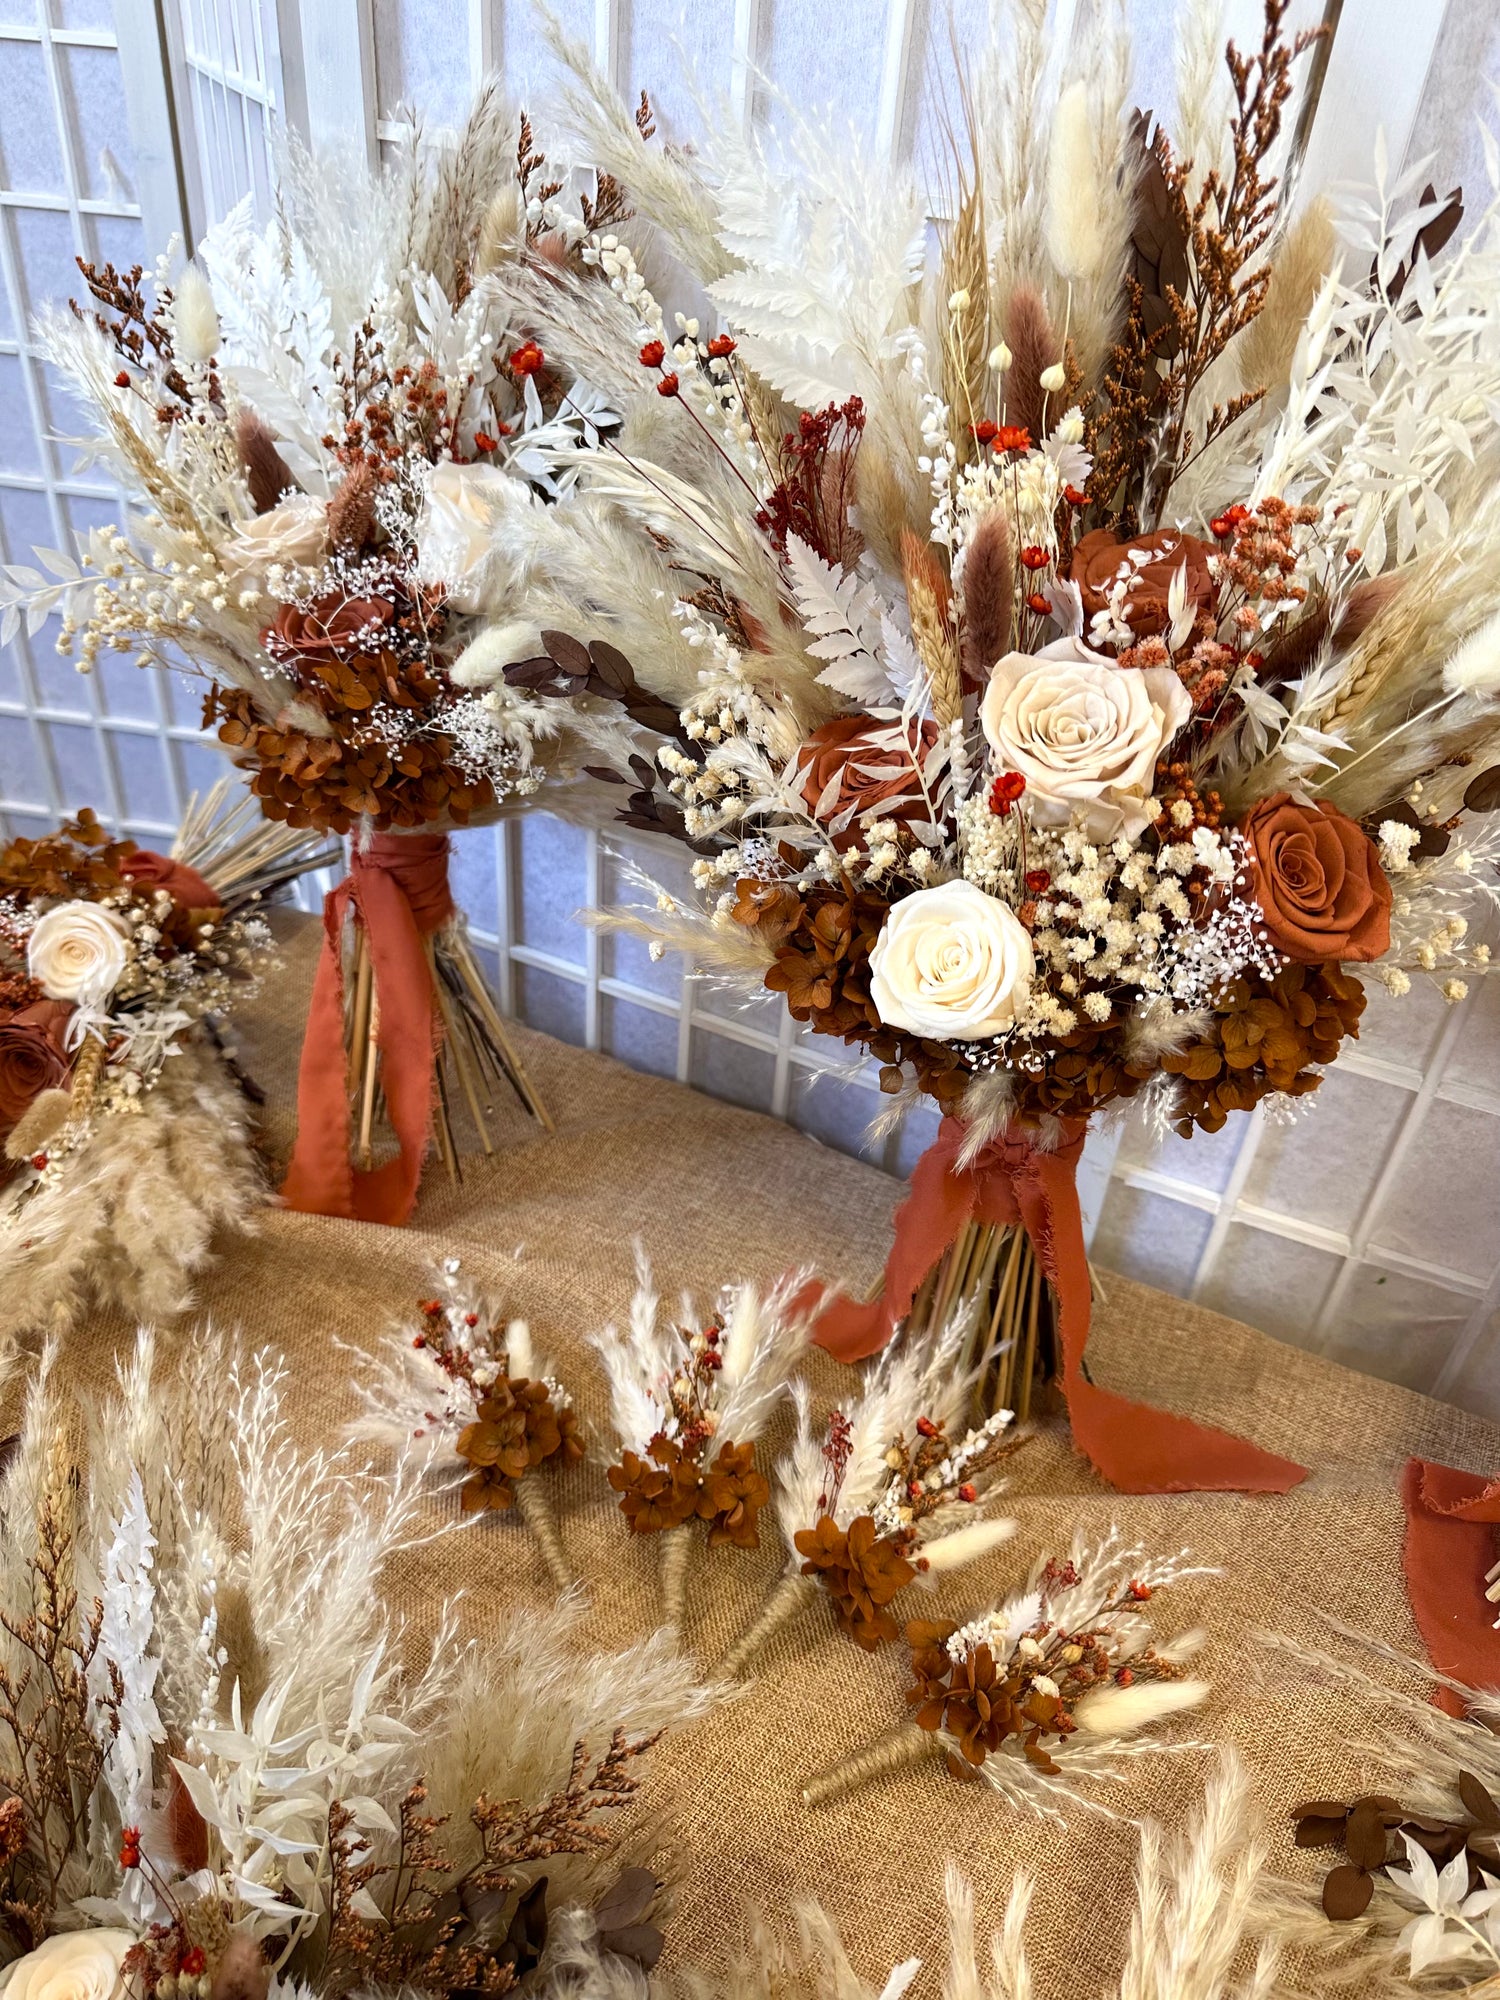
(1011, 1181)
(398, 886)
(1450, 1544)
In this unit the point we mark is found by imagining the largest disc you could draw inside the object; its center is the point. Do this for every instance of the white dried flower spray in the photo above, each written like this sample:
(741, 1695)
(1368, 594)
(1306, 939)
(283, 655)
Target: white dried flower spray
(195, 317)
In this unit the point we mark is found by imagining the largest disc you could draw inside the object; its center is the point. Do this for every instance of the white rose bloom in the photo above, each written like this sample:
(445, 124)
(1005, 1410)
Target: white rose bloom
(1084, 733)
(74, 1965)
(465, 522)
(951, 964)
(293, 531)
(78, 951)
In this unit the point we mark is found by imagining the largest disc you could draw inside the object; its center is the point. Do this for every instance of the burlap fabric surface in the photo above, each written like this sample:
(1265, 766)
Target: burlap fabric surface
(715, 1193)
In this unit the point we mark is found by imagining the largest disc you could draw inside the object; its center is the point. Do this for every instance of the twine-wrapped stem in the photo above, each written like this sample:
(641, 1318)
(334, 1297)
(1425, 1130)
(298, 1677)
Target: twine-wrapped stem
(883, 1758)
(786, 1601)
(676, 1548)
(535, 1503)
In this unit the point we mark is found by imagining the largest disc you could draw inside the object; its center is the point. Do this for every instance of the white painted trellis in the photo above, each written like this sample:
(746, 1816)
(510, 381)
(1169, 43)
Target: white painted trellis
(1372, 1229)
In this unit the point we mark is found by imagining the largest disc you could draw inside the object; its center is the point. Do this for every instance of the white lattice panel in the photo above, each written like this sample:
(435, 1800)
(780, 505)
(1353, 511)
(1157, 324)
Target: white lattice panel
(1369, 1230)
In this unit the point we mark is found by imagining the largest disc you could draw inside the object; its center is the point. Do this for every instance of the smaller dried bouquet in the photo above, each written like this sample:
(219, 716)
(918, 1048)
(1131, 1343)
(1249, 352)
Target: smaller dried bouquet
(468, 1384)
(883, 1495)
(688, 1403)
(126, 1130)
(1040, 1692)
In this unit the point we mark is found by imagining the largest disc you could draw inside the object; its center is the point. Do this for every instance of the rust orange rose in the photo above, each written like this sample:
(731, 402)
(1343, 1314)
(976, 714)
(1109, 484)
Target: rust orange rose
(31, 1057)
(1318, 881)
(1096, 565)
(184, 885)
(329, 628)
(869, 772)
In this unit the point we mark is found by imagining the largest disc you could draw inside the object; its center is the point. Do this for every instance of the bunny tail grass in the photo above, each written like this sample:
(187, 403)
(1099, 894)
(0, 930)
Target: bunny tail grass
(785, 1601)
(535, 1503)
(883, 1758)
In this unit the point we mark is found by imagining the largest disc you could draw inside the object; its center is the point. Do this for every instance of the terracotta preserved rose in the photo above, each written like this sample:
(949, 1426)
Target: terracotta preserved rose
(1318, 881)
(329, 627)
(1096, 565)
(869, 772)
(31, 1057)
(184, 885)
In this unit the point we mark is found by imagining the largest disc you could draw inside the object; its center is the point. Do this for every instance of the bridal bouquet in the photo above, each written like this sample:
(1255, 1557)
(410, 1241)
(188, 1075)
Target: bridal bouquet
(1097, 620)
(126, 1126)
(333, 435)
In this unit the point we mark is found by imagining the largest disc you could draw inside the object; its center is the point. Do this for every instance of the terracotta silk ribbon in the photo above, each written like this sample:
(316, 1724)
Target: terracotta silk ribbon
(399, 888)
(1137, 1448)
(1450, 1543)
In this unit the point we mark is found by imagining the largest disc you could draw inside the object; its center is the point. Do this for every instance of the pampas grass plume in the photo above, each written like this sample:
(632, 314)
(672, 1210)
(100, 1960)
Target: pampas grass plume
(1118, 1711)
(1075, 240)
(195, 318)
(1475, 667)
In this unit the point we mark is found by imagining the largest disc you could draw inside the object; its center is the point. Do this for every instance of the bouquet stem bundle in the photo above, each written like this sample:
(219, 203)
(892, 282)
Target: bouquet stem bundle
(992, 1269)
(676, 1552)
(478, 1054)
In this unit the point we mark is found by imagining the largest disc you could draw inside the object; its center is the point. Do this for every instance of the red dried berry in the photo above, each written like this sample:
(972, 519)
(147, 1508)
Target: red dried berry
(1005, 791)
(1140, 1591)
(122, 380)
(419, 1340)
(968, 1491)
(667, 386)
(484, 442)
(1039, 604)
(1035, 558)
(720, 347)
(1221, 527)
(39, 1161)
(1038, 881)
(984, 431)
(652, 353)
(528, 359)
(1075, 496)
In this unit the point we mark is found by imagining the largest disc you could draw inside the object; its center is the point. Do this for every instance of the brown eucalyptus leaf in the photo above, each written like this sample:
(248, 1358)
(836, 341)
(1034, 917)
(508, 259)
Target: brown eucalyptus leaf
(612, 666)
(1314, 1830)
(1321, 1809)
(1483, 794)
(1347, 1893)
(570, 654)
(640, 1942)
(1364, 1836)
(627, 1900)
(604, 774)
(1478, 1800)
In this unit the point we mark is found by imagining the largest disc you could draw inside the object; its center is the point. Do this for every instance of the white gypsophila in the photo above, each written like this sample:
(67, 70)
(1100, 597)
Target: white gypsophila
(1084, 733)
(78, 951)
(951, 964)
(73, 1965)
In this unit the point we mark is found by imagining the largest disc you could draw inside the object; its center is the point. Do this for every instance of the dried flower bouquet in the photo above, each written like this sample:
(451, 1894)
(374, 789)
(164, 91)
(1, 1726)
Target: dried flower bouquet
(218, 1778)
(333, 432)
(1096, 621)
(127, 1127)
(467, 1384)
(1044, 1691)
(688, 1404)
(881, 1495)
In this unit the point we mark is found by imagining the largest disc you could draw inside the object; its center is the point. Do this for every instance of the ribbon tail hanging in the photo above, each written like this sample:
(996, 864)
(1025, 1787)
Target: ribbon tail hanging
(399, 890)
(1137, 1448)
(1450, 1546)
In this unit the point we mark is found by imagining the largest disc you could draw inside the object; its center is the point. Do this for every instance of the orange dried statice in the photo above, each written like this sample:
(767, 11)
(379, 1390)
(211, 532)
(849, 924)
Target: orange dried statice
(517, 1428)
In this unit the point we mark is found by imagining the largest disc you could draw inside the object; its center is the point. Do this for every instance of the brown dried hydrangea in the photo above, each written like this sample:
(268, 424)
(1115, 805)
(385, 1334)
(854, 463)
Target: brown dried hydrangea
(861, 1570)
(976, 1702)
(1266, 1036)
(364, 667)
(518, 1427)
(669, 1487)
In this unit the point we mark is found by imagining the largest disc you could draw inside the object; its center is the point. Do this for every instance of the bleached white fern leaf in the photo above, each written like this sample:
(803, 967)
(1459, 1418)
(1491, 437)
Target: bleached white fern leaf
(843, 614)
(127, 1593)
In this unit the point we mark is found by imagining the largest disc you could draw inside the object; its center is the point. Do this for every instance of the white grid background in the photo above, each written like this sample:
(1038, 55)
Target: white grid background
(1370, 1230)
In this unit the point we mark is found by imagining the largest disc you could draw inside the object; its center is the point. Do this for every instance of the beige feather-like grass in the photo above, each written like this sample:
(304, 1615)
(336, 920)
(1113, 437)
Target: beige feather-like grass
(1304, 259)
(928, 602)
(966, 326)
